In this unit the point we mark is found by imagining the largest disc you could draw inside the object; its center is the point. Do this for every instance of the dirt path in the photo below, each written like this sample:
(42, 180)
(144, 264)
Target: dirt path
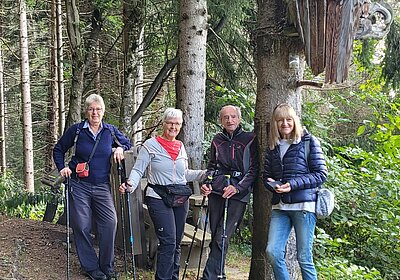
(37, 250)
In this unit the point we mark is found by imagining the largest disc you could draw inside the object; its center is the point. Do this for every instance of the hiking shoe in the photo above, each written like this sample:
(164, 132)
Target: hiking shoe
(112, 275)
(96, 274)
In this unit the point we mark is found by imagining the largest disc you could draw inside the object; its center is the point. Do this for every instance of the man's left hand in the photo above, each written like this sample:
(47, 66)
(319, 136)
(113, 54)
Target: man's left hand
(229, 191)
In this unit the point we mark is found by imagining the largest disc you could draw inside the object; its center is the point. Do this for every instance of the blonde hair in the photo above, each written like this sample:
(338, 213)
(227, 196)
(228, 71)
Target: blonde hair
(283, 111)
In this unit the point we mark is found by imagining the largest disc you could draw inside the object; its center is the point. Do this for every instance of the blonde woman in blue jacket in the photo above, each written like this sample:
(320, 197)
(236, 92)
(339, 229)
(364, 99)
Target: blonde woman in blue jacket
(165, 159)
(294, 181)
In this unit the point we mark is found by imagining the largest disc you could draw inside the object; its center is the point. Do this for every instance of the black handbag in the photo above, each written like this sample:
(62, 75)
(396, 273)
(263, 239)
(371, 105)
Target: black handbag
(173, 195)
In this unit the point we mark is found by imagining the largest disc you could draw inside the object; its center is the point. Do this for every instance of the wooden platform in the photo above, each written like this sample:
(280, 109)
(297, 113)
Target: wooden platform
(196, 249)
(185, 244)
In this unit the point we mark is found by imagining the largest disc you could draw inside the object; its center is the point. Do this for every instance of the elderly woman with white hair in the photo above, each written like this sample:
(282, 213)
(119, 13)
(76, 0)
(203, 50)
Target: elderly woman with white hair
(165, 159)
(92, 142)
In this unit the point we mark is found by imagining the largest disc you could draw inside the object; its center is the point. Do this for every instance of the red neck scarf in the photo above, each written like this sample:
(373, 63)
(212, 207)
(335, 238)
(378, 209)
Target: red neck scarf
(172, 147)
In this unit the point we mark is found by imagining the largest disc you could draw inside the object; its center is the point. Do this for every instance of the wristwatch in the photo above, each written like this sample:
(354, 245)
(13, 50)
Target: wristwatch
(237, 190)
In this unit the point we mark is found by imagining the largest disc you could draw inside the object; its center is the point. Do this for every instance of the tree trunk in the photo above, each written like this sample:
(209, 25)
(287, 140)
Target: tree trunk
(3, 161)
(26, 101)
(60, 68)
(138, 96)
(53, 98)
(74, 35)
(80, 56)
(276, 83)
(192, 76)
(133, 13)
(97, 78)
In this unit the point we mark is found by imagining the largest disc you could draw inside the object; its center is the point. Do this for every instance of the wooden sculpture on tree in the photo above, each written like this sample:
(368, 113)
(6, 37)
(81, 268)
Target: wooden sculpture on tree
(328, 29)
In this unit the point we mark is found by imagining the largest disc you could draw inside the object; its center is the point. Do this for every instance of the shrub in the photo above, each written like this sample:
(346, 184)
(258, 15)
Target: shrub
(16, 202)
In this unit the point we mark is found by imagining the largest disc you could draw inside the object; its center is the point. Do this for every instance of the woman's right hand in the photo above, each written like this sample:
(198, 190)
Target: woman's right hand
(284, 188)
(206, 189)
(66, 172)
(124, 187)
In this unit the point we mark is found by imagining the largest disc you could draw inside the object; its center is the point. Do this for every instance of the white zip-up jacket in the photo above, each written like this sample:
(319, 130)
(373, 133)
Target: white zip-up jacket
(161, 168)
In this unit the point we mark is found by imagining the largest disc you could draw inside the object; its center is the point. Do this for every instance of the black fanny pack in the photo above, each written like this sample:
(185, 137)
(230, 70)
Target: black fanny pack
(172, 195)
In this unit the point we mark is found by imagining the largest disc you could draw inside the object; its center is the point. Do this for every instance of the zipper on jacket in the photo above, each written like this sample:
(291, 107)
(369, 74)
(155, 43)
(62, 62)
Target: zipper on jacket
(174, 171)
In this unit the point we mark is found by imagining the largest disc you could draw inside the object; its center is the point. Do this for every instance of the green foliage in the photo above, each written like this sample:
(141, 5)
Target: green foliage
(364, 229)
(107, 5)
(365, 53)
(359, 128)
(229, 51)
(391, 62)
(341, 269)
(223, 96)
(16, 202)
(237, 251)
(385, 134)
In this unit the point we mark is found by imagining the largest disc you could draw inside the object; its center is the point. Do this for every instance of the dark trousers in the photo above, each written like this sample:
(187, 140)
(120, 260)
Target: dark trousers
(89, 203)
(216, 212)
(169, 224)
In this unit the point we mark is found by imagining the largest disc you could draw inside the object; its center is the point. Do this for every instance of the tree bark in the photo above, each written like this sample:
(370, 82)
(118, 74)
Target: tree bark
(26, 101)
(132, 95)
(74, 35)
(138, 95)
(60, 68)
(191, 76)
(80, 56)
(53, 98)
(276, 83)
(3, 161)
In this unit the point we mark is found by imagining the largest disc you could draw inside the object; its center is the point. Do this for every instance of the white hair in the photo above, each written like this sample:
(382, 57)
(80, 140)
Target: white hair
(95, 98)
(171, 113)
(236, 108)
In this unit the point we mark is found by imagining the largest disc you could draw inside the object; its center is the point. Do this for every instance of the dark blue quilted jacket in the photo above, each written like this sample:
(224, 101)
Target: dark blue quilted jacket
(304, 180)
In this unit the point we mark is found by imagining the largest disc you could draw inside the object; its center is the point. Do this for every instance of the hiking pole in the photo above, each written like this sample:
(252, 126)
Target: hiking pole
(222, 263)
(121, 204)
(66, 187)
(194, 236)
(128, 201)
(202, 243)
(208, 181)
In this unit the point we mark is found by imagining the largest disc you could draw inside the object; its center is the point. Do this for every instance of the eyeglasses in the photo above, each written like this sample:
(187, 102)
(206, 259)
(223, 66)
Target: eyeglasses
(94, 109)
(173, 123)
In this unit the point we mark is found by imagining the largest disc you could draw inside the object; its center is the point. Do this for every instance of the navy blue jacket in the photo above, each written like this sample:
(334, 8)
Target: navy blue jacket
(100, 164)
(234, 155)
(304, 180)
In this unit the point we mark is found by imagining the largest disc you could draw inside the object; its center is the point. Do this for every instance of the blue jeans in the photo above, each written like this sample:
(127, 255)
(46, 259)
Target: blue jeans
(169, 224)
(279, 230)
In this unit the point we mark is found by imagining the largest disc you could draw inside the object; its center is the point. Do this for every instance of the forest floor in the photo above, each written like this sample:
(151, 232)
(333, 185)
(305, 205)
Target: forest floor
(37, 250)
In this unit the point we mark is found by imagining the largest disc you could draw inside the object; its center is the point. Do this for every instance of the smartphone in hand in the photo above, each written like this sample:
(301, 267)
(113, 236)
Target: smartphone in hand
(275, 183)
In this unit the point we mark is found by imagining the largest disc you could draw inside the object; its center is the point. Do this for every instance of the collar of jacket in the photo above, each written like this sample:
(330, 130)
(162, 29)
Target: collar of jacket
(306, 135)
(237, 131)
